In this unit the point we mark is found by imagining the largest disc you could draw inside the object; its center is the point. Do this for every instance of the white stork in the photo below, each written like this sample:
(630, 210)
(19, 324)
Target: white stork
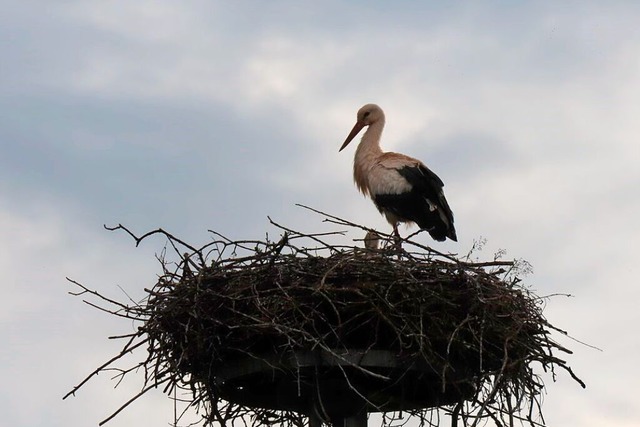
(402, 188)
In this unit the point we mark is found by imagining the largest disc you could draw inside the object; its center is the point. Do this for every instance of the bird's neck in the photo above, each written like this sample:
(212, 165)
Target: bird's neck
(367, 153)
(370, 144)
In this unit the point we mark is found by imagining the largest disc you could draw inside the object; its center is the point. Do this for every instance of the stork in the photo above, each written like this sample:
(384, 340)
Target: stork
(402, 188)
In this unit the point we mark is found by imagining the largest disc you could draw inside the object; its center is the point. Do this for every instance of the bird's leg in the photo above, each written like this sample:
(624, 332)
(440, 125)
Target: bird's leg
(396, 237)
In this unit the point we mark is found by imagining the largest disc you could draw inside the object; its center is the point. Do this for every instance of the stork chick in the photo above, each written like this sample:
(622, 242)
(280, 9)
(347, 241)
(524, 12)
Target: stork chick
(371, 241)
(402, 188)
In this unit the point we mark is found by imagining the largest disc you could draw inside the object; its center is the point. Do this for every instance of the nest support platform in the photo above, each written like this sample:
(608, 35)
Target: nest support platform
(337, 384)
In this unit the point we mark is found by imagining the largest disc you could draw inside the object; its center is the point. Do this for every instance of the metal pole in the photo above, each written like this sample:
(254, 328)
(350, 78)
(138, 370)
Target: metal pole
(314, 420)
(358, 420)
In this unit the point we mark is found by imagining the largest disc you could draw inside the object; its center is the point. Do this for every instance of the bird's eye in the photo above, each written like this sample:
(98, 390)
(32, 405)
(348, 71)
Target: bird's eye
(366, 114)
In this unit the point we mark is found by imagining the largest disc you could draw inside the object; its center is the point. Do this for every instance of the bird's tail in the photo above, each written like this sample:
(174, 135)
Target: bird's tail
(441, 234)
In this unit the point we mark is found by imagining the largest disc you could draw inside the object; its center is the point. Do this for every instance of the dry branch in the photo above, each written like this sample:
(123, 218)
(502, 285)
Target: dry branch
(262, 332)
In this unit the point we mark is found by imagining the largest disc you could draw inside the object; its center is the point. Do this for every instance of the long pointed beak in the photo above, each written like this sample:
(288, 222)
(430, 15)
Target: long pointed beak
(356, 128)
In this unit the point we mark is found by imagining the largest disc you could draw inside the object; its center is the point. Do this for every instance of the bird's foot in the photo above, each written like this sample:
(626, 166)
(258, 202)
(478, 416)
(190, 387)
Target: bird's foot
(397, 240)
(397, 243)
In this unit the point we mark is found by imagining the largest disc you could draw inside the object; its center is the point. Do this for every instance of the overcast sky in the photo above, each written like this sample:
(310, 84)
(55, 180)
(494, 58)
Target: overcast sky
(197, 114)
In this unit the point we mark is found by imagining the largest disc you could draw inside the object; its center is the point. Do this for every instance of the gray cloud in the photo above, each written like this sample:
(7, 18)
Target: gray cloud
(213, 115)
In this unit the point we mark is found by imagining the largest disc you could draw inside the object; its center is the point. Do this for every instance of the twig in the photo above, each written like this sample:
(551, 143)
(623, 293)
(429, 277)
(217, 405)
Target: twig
(255, 303)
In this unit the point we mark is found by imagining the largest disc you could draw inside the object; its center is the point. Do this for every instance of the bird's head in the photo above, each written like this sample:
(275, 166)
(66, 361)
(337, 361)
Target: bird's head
(367, 115)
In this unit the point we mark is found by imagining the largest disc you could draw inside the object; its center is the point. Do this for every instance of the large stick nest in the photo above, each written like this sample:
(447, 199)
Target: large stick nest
(278, 332)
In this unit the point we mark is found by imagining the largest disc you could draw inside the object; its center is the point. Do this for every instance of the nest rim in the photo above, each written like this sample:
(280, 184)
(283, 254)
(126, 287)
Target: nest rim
(505, 388)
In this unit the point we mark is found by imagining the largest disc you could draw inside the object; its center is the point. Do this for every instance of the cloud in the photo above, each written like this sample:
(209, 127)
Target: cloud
(214, 115)
(41, 326)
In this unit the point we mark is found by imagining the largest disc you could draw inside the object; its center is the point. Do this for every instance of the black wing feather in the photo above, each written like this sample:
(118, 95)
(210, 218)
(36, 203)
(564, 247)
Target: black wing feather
(417, 204)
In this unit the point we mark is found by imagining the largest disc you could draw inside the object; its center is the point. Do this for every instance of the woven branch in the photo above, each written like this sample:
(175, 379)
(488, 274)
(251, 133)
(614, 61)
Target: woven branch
(262, 332)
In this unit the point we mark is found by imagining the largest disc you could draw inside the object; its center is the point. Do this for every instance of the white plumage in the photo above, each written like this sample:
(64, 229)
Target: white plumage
(402, 188)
